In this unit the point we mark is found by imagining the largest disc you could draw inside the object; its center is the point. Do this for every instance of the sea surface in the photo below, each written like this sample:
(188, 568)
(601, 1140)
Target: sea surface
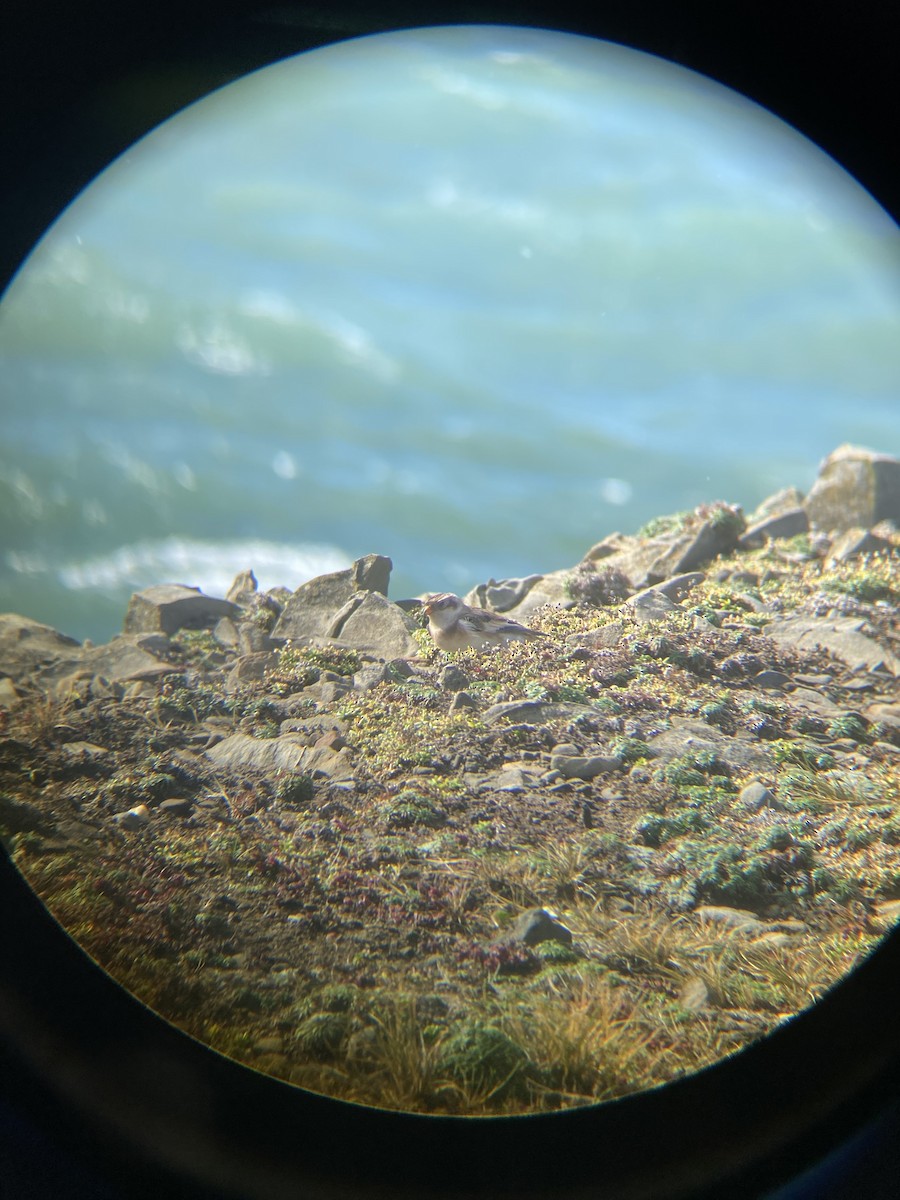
(471, 297)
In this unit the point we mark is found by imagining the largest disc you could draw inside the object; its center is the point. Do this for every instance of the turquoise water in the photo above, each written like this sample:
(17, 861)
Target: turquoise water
(470, 297)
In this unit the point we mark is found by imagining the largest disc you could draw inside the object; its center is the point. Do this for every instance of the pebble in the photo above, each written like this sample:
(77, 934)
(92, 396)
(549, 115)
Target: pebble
(694, 994)
(453, 679)
(176, 807)
(772, 679)
(756, 796)
(538, 925)
(134, 818)
(735, 918)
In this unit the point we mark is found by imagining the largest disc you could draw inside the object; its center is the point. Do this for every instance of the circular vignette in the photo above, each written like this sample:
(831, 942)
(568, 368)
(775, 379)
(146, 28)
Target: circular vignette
(88, 1049)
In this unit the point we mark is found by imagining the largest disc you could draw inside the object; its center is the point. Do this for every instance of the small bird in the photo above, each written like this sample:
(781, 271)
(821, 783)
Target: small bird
(454, 625)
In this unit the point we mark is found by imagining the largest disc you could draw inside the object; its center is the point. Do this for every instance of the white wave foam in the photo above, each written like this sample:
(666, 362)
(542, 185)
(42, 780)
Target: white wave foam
(211, 566)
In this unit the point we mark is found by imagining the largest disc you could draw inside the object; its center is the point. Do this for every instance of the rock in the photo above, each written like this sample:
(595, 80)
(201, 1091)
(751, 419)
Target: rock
(693, 994)
(168, 607)
(83, 752)
(885, 714)
(777, 680)
(513, 777)
(814, 681)
(856, 543)
(311, 610)
(550, 589)
(503, 595)
(253, 639)
(887, 912)
(716, 535)
(755, 796)
(679, 585)
(538, 925)
(288, 752)
(453, 679)
(380, 628)
(326, 691)
(135, 818)
(20, 816)
(578, 767)
(462, 700)
(331, 739)
(372, 573)
(240, 751)
(652, 605)
(840, 636)
(226, 633)
(27, 645)
(813, 700)
(785, 524)
(370, 675)
(855, 488)
(605, 638)
(536, 712)
(242, 589)
(176, 807)
(688, 735)
(780, 502)
(250, 668)
(691, 542)
(738, 919)
(130, 657)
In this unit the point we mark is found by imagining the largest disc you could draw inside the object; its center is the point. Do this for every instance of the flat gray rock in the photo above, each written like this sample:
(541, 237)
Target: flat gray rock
(313, 608)
(605, 638)
(756, 795)
(27, 645)
(738, 919)
(856, 543)
(129, 657)
(576, 766)
(534, 712)
(288, 752)
(688, 735)
(652, 605)
(168, 607)
(840, 636)
(538, 925)
(512, 778)
(679, 585)
(502, 595)
(785, 524)
(379, 627)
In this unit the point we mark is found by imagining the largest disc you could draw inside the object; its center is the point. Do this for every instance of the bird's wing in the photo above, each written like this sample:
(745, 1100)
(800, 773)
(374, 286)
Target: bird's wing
(479, 620)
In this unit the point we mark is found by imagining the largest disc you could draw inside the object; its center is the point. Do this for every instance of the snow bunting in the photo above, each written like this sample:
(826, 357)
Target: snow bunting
(454, 625)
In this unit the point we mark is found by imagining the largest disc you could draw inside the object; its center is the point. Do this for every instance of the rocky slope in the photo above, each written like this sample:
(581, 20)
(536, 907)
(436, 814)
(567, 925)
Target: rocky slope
(526, 879)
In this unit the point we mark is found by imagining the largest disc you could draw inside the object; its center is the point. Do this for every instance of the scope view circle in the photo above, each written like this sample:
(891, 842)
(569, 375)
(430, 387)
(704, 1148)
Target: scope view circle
(410, 780)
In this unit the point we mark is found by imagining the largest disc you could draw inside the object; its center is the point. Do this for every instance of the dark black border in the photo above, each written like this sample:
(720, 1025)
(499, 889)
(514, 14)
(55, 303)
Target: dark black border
(130, 1098)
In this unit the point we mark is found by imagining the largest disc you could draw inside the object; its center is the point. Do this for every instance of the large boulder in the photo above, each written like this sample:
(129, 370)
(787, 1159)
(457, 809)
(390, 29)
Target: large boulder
(311, 610)
(855, 488)
(168, 607)
(27, 646)
(840, 636)
(379, 627)
(689, 543)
